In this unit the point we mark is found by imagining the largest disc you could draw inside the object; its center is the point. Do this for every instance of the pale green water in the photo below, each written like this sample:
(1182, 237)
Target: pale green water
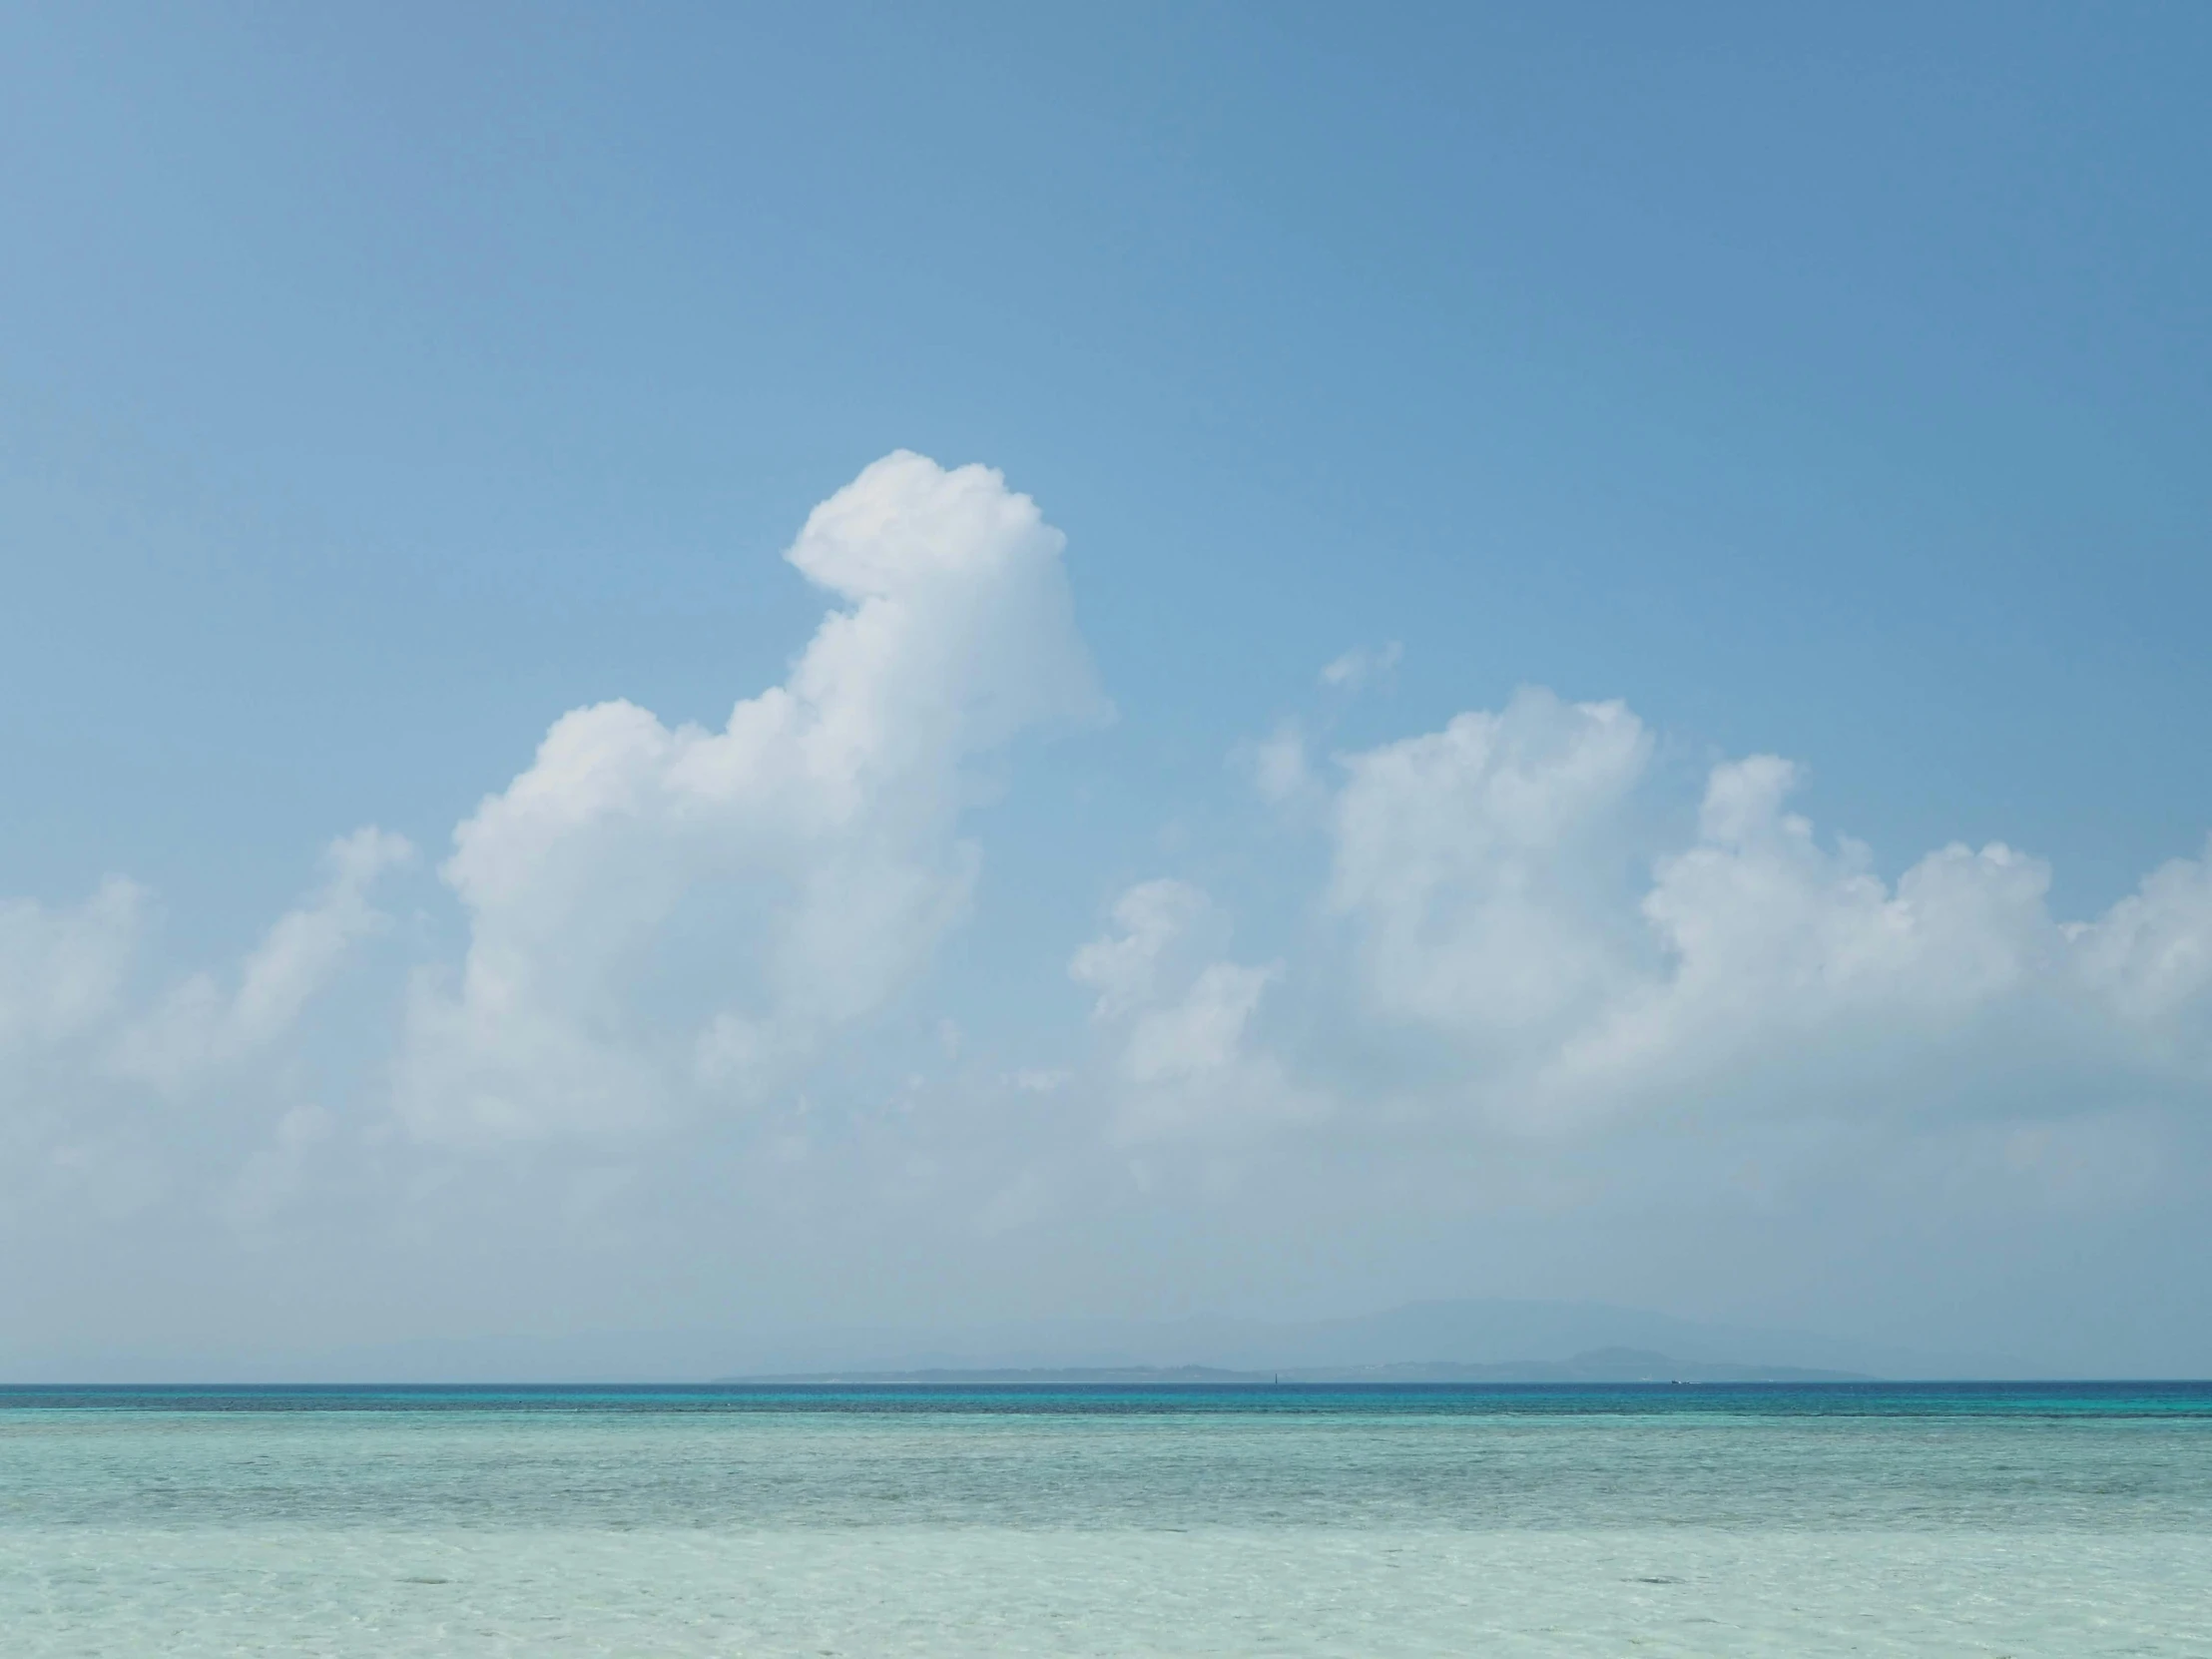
(1551, 1521)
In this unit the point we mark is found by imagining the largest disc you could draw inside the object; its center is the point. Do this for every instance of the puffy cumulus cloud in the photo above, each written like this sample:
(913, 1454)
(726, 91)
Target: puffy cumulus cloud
(1472, 864)
(1179, 1019)
(1799, 972)
(201, 1025)
(1479, 869)
(2149, 957)
(658, 913)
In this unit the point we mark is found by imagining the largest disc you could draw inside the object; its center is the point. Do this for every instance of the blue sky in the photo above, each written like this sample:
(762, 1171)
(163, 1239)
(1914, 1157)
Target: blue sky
(377, 388)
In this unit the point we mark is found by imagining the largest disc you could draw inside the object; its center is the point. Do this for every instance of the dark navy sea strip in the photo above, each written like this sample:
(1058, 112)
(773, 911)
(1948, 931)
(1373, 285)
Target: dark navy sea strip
(2165, 1399)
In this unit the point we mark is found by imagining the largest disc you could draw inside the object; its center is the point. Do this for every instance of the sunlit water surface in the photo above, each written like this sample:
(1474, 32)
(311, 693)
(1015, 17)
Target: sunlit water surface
(1695, 1520)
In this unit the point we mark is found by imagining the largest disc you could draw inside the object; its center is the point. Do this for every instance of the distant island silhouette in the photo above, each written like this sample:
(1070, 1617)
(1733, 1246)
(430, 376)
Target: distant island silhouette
(1598, 1365)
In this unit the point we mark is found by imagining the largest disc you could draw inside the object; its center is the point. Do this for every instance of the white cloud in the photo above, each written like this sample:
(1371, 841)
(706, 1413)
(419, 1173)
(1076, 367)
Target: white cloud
(62, 973)
(1541, 1006)
(1755, 969)
(655, 911)
(1157, 922)
(1357, 666)
(1777, 951)
(1180, 1018)
(2150, 957)
(1203, 1031)
(1473, 865)
(199, 1025)
(297, 955)
(1278, 766)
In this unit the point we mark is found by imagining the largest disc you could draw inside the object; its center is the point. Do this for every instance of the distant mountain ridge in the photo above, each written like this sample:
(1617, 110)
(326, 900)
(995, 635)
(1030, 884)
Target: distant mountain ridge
(1605, 1365)
(1463, 1341)
(1469, 1340)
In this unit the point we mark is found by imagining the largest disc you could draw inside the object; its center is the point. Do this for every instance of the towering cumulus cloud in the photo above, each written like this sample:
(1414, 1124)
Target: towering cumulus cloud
(657, 915)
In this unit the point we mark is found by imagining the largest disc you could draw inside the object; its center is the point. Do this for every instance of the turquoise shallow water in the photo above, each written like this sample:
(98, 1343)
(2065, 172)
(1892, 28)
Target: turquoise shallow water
(1571, 1520)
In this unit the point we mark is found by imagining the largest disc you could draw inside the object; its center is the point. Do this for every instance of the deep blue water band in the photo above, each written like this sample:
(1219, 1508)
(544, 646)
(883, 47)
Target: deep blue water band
(1758, 1400)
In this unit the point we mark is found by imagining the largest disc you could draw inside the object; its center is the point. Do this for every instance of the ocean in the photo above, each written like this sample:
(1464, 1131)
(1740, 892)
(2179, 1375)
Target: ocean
(1703, 1520)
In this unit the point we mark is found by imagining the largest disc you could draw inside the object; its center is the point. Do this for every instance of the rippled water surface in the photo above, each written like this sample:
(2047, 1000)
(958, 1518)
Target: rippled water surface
(1700, 1521)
